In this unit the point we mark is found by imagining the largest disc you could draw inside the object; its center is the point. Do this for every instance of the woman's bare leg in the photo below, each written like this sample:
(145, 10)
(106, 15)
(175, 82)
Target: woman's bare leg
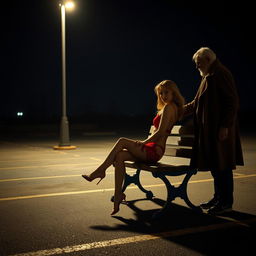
(121, 157)
(122, 143)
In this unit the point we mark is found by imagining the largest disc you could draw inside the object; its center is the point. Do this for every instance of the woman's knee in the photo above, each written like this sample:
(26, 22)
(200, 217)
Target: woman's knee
(120, 157)
(122, 143)
(121, 140)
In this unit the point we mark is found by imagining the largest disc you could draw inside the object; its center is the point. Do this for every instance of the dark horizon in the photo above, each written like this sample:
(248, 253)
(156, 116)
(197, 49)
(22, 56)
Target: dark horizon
(116, 53)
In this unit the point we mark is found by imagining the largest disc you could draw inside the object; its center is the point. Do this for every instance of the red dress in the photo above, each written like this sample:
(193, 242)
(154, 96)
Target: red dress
(150, 147)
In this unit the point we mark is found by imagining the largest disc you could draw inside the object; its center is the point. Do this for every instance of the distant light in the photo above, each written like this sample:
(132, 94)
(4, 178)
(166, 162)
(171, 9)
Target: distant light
(69, 5)
(19, 113)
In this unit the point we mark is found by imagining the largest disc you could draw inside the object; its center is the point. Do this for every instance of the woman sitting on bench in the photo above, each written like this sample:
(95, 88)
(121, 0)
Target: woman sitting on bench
(170, 109)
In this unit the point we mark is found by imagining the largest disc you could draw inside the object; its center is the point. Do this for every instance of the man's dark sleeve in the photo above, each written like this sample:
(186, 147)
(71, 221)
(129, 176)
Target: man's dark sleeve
(228, 97)
(189, 108)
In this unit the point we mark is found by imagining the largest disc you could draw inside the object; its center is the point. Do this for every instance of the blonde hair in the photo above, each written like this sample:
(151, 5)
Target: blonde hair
(177, 97)
(205, 52)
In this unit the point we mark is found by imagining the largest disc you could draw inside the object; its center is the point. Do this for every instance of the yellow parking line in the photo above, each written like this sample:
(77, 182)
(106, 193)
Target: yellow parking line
(133, 239)
(49, 177)
(55, 194)
(39, 178)
(96, 159)
(44, 166)
(105, 190)
(39, 160)
(245, 176)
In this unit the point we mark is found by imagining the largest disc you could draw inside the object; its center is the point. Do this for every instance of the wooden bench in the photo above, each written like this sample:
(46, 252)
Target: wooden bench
(175, 162)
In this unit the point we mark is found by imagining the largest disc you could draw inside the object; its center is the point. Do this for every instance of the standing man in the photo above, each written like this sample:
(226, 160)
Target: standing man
(217, 146)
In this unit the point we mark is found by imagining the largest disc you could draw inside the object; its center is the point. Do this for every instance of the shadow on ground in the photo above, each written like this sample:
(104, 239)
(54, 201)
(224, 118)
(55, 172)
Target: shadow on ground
(232, 232)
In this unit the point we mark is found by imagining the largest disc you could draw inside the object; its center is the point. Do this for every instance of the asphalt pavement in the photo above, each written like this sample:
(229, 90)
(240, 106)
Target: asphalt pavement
(46, 207)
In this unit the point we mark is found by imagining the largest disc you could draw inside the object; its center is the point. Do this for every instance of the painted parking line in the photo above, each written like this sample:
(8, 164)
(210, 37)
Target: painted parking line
(55, 194)
(94, 158)
(107, 189)
(40, 178)
(45, 166)
(38, 160)
(134, 239)
(49, 177)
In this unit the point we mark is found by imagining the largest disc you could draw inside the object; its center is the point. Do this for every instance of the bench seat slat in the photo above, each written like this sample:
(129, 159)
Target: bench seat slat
(166, 169)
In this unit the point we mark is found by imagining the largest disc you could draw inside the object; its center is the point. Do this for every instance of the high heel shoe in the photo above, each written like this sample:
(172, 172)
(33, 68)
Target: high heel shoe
(117, 204)
(88, 178)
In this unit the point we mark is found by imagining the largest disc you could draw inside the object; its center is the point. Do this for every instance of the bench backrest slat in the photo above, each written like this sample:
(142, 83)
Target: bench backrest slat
(182, 130)
(178, 130)
(179, 142)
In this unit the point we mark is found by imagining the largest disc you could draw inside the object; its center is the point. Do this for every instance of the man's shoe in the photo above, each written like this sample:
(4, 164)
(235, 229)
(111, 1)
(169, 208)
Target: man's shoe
(220, 209)
(210, 204)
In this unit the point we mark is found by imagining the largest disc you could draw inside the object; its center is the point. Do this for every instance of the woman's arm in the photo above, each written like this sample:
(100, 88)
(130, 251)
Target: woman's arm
(168, 117)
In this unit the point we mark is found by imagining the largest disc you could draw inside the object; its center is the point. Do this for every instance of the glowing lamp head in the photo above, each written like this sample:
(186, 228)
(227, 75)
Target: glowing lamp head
(69, 5)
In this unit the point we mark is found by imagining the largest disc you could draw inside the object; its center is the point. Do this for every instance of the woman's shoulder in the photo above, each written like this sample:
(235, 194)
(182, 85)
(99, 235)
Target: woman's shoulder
(171, 110)
(170, 107)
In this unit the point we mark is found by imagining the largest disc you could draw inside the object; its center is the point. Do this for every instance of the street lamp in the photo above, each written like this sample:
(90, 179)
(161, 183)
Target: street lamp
(64, 127)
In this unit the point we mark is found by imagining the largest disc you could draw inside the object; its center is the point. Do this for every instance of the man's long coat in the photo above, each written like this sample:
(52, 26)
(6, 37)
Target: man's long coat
(216, 105)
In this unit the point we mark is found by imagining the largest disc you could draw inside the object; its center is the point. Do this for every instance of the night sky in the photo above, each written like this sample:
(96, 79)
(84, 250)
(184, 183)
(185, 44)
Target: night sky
(117, 51)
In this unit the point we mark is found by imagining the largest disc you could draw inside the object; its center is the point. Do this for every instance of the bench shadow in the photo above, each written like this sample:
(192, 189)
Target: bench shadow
(231, 232)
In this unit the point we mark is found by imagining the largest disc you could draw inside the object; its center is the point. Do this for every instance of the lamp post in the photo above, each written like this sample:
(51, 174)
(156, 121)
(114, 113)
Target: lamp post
(64, 126)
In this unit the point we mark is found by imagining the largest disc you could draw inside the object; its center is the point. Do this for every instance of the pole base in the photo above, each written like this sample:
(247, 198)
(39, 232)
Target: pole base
(64, 147)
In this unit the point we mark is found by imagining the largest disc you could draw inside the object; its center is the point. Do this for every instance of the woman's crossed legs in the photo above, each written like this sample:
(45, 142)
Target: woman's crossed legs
(124, 150)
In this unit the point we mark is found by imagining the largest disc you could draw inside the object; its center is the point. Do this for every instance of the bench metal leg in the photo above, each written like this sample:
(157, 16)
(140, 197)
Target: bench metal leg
(170, 196)
(183, 192)
(135, 179)
(148, 193)
(173, 192)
